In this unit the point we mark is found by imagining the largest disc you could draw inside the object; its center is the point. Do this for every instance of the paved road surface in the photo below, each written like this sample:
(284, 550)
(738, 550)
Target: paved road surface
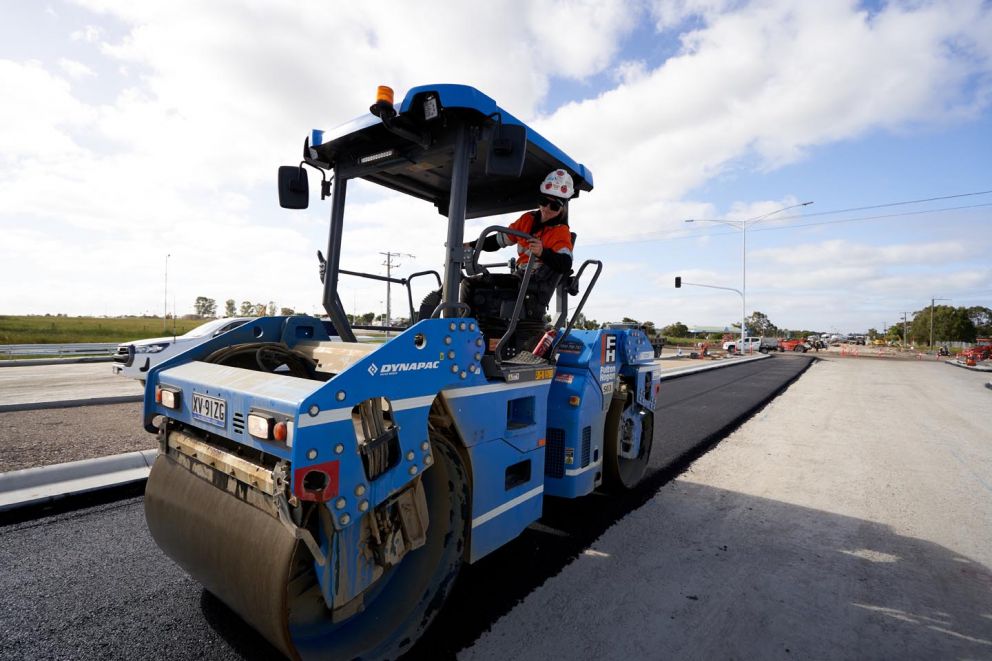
(91, 583)
(55, 383)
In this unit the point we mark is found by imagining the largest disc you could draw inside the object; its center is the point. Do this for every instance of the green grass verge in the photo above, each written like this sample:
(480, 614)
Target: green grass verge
(68, 330)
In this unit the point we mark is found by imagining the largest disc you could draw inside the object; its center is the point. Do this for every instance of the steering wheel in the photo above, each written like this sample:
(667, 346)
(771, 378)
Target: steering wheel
(474, 267)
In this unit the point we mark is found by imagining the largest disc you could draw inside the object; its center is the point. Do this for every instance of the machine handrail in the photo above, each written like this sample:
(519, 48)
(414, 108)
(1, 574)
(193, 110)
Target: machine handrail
(578, 308)
(515, 317)
(409, 289)
(492, 229)
(399, 281)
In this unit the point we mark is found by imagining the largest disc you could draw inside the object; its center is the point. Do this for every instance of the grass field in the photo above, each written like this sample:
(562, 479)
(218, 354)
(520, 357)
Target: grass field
(66, 330)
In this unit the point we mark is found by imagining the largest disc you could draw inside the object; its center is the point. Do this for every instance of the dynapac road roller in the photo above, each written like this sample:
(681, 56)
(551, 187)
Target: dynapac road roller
(328, 490)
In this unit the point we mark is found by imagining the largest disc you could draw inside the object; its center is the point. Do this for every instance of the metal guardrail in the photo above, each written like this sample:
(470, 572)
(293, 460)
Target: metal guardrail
(79, 349)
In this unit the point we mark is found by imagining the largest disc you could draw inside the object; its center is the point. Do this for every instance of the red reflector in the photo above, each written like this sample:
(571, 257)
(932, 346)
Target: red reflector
(330, 470)
(279, 432)
(158, 394)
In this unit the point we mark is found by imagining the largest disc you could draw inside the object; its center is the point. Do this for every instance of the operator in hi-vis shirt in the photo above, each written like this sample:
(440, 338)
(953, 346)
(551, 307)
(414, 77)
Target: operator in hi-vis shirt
(548, 224)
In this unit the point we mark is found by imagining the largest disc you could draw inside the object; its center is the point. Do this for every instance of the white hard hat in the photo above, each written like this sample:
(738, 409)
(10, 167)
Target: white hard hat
(559, 184)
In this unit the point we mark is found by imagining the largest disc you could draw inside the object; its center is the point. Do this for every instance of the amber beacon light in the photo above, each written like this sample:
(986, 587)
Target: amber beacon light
(383, 105)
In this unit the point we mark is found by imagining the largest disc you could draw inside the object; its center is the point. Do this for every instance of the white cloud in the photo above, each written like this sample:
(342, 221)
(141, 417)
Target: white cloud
(771, 80)
(840, 252)
(215, 96)
(90, 34)
(38, 113)
(225, 93)
(75, 69)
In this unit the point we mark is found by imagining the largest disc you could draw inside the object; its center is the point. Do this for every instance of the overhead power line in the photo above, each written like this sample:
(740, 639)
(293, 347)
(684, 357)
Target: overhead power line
(682, 235)
(887, 215)
(888, 204)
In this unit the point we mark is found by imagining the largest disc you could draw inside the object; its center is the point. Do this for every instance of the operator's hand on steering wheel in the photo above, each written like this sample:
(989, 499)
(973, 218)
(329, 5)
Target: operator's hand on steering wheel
(535, 247)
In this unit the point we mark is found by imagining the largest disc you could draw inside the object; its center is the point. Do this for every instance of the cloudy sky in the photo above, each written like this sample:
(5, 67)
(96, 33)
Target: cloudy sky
(130, 131)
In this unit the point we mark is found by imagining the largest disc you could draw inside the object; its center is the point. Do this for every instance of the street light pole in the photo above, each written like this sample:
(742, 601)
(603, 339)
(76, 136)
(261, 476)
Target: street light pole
(743, 280)
(165, 307)
(742, 225)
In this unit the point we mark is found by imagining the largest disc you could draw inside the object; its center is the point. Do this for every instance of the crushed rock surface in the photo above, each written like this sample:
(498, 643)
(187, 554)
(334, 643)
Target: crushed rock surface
(52, 436)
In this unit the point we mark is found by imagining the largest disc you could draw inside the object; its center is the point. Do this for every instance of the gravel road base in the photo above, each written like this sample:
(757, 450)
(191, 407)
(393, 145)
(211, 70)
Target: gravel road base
(53, 436)
(850, 518)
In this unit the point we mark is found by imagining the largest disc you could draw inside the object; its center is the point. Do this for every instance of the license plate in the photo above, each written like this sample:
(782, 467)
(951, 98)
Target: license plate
(209, 409)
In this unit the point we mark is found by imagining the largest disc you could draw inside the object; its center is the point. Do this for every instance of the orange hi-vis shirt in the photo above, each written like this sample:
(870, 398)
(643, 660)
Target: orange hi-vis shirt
(556, 238)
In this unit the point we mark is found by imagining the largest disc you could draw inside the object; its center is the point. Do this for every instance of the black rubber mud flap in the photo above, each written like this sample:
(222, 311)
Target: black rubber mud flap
(235, 550)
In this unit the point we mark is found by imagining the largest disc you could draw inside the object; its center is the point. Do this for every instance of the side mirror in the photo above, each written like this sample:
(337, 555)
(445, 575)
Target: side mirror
(294, 188)
(507, 149)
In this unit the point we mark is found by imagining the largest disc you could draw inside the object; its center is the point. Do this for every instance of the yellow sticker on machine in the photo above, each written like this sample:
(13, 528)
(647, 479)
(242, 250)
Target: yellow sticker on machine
(542, 375)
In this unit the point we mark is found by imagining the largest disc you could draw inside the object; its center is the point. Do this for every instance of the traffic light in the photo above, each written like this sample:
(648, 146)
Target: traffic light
(678, 282)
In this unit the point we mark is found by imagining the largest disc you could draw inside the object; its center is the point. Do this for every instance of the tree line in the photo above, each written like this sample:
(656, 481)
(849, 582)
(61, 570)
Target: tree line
(207, 307)
(950, 324)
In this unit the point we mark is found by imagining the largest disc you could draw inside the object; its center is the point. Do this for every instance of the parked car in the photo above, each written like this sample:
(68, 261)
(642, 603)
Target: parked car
(795, 344)
(134, 359)
(762, 344)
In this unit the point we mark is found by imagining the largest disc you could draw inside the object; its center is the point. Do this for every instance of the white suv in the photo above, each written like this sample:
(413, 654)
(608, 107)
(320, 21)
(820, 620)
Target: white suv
(134, 359)
(750, 344)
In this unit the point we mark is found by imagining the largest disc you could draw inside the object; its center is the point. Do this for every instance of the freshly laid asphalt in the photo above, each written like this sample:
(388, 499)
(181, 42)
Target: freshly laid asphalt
(90, 583)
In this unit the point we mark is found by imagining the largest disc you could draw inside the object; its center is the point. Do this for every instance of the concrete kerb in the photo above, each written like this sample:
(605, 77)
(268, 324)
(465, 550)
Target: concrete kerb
(33, 486)
(68, 403)
(27, 362)
(973, 368)
(671, 374)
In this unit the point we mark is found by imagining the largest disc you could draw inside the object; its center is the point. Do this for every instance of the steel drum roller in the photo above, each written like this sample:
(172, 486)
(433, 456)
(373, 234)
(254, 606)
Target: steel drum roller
(236, 551)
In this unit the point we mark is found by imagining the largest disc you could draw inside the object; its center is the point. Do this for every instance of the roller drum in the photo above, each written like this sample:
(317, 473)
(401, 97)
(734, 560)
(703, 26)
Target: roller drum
(238, 552)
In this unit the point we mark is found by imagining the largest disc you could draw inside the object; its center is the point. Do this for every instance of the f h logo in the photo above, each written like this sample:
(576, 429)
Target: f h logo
(609, 349)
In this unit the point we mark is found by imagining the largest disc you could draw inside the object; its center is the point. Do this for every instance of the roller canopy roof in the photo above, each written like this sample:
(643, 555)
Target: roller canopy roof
(366, 148)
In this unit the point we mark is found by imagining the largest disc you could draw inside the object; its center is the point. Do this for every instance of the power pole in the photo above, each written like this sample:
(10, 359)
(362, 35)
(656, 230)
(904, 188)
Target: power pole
(904, 340)
(931, 317)
(390, 265)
